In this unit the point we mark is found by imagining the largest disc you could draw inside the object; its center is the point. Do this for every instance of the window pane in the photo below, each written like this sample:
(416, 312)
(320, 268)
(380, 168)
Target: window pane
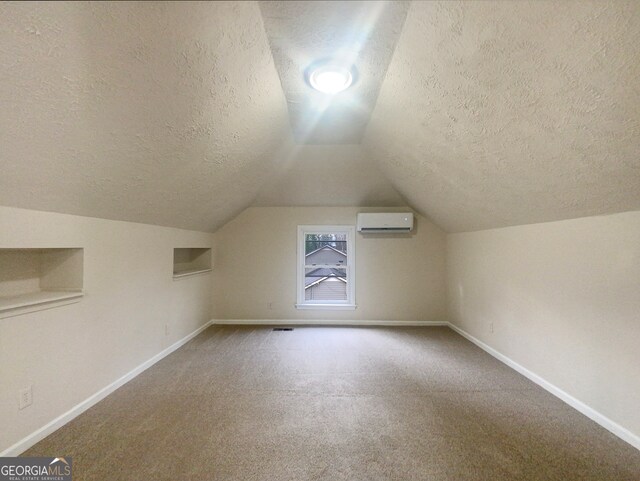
(325, 284)
(325, 249)
(313, 242)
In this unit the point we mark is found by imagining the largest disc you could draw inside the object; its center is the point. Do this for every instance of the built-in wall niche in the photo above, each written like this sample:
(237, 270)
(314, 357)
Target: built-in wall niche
(34, 279)
(189, 261)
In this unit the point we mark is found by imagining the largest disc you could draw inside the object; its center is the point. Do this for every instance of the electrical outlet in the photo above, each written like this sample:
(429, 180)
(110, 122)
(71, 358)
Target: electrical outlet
(271, 306)
(25, 397)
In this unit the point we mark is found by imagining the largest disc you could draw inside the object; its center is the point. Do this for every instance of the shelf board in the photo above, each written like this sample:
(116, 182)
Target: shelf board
(189, 272)
(36, 299)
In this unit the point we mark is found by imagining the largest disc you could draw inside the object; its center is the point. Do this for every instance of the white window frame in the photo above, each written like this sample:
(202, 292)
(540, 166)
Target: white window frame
(350, 266)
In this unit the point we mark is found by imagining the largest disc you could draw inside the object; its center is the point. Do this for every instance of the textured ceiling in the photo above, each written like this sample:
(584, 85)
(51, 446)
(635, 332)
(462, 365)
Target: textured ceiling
(301, 33)
(489, 114)
(163, 113)
(327, 175)
(504, 113)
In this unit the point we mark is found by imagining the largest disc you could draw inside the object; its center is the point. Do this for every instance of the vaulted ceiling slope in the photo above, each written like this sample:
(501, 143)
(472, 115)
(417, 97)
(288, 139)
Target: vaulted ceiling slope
(489, 114)
(162, 113)
(327, 175)
(505, 113)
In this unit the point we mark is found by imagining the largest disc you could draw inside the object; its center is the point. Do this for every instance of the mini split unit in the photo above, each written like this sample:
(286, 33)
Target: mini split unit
(385, 223)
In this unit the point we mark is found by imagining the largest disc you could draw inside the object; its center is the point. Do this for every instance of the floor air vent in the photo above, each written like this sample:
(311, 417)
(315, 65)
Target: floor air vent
(283, 328)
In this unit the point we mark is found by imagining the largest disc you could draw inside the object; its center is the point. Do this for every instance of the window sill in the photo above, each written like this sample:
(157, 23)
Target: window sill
(327, 307)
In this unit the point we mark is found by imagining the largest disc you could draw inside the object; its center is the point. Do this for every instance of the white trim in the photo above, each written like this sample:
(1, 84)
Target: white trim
(326, 307)
(613, 427)
(38, 435)
(325, 322)
(602, 420)
(349, 267)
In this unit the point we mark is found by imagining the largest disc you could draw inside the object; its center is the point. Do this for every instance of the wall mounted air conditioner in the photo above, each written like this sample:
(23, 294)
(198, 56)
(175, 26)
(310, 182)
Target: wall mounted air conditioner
(385, 223)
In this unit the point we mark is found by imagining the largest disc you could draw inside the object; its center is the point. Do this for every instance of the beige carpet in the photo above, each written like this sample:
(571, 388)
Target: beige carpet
(336, 404)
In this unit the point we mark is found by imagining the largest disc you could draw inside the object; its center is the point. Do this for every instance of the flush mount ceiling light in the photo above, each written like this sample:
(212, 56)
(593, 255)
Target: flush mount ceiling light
(329, 77)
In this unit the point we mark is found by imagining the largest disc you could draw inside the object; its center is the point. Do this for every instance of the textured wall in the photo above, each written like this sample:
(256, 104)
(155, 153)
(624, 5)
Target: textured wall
(564, 301)
(502, 113)
(163, 113)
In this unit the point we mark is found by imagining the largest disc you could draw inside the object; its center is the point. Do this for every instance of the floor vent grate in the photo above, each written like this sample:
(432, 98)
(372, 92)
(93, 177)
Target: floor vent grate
(283, 328)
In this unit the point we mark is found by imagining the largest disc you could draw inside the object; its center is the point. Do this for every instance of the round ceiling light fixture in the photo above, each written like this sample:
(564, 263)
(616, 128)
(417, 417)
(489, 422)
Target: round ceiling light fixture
(329, 77)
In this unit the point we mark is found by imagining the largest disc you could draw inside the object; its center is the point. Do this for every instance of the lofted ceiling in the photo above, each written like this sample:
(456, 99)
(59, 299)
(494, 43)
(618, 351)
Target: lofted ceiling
(327, 175)
(360, 33)
(162, 113)
(476, 114)
(506, 113)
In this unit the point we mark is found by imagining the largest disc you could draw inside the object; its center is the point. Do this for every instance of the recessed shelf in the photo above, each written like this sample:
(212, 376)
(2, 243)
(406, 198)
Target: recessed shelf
(191, 261)
(190, 272)
(35, 279)
(36, 298)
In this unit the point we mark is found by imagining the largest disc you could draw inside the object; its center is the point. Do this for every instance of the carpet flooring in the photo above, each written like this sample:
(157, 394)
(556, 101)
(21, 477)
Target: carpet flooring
(336, 403)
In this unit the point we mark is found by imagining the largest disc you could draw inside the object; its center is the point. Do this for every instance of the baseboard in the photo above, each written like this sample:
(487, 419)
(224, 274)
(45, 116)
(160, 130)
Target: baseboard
(63, 419)
(25, 443)
(605, 422)
(323, 322)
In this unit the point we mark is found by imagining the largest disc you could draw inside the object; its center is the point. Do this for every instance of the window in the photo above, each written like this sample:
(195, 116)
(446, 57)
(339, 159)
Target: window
(326, 267)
